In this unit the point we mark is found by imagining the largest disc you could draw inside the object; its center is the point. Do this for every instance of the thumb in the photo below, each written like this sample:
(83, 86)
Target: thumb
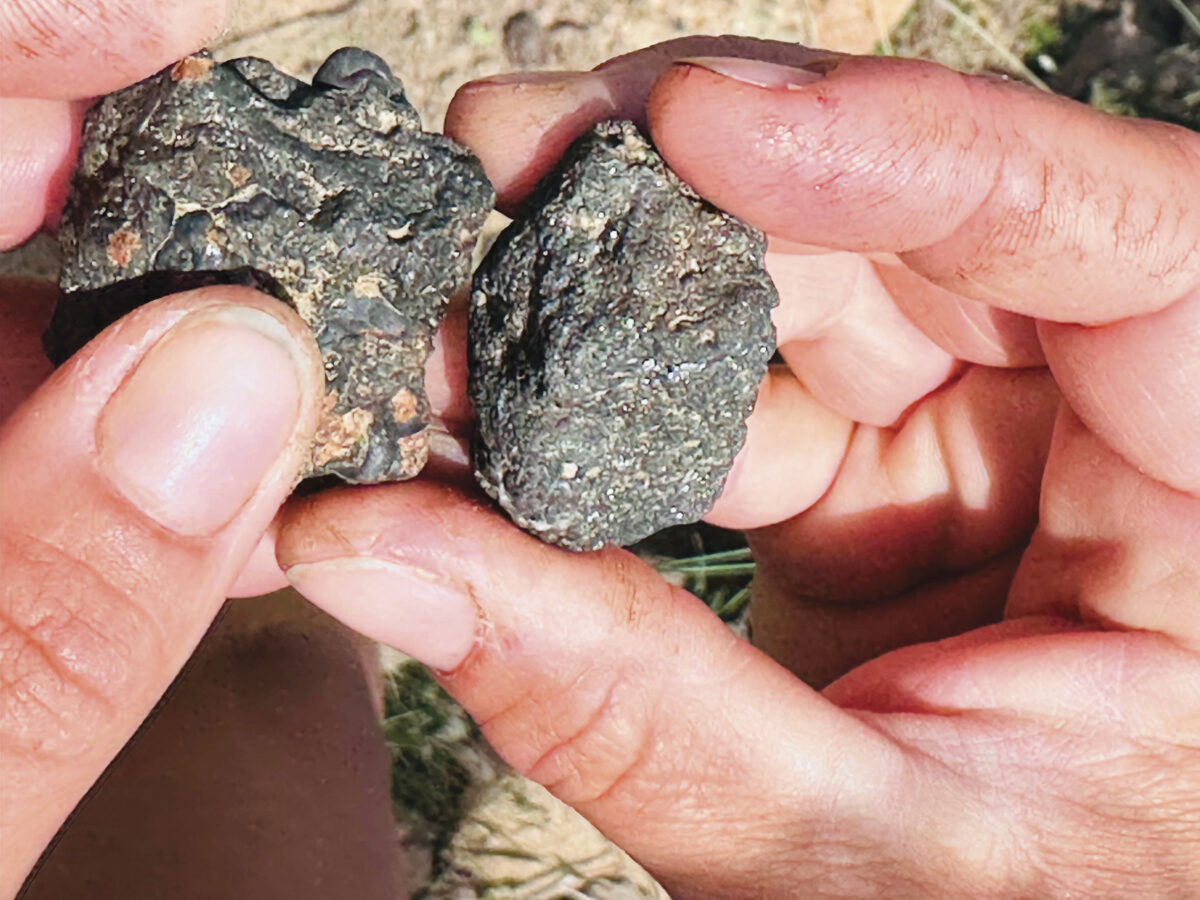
(135, 482)
(626, 697)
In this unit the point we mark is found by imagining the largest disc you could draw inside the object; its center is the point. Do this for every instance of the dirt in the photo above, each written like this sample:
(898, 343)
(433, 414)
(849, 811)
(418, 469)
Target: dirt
(435, 47)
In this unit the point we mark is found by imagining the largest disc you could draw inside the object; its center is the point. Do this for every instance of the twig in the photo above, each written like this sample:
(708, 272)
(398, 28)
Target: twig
(741, 554)
(1192, 20)
(984, 35)
(885, 38)
(734, 604)
(746, 568)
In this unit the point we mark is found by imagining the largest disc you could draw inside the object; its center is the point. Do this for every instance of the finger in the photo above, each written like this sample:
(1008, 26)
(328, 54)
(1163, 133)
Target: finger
(37, 153)
(950, 492)
(815, 288)
(1137, 386)
(261, 574)
(820, 641)
(1113, 547)
(1089, 688)
(592, 676)
(520, 124)
(794, 446)
(136, 482)
(966, 329)
(25, 309)
(449, 457)
(446, 373)
(894, 363)
(1029, 202)
(66, 50)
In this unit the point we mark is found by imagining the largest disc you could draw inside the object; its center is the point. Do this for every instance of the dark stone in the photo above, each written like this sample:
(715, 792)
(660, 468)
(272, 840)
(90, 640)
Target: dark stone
(619, 331)
(328, 196)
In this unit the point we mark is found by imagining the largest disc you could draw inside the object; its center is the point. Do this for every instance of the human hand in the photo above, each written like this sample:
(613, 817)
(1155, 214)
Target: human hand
(136, 481)
(966, 227)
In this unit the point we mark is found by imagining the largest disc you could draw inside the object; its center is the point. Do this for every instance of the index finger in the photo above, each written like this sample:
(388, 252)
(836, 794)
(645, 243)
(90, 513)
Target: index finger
(1029, 202)
(521, 123)
(68, 49)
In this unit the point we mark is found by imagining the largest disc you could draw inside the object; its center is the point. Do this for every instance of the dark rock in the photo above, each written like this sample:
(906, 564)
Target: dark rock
(329, 196)
(618, 334)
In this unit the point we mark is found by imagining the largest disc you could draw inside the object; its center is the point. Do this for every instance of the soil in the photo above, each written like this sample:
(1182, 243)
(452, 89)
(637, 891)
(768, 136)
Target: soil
(1128, 57)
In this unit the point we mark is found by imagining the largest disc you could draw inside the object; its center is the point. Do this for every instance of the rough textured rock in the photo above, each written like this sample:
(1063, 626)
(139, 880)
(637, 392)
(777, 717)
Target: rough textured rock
(329, 196)
(618, 334)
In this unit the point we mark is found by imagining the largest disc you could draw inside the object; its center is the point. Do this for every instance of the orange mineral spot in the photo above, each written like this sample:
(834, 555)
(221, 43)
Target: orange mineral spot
(414, 451)
(121, 246)
(193, 68)
(239, 176)
(404, 406)
(339, 436)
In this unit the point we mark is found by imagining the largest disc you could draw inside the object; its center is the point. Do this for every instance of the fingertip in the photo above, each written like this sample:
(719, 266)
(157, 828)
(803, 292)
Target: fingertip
(261, 574)
(519, 126)
(794, 446)
(37, 155)
(798, 159)
(894, 364)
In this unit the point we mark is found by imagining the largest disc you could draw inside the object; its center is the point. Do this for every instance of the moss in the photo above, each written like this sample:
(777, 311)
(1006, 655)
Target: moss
(1042, 37)
(425, 731)
(1111, 98)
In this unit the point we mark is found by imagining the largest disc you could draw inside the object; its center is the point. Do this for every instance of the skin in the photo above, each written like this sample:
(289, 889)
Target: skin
(1023, 539)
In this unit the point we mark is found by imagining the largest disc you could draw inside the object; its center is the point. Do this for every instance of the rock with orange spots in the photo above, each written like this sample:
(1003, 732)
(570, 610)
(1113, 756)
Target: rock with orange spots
(619, 330)
(329, 196)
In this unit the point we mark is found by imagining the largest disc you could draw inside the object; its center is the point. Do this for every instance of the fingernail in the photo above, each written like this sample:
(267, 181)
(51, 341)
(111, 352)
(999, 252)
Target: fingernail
(404, 607)
(765, 74)
(203, 418)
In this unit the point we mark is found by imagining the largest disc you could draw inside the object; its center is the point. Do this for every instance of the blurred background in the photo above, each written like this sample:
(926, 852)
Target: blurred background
(465, 826)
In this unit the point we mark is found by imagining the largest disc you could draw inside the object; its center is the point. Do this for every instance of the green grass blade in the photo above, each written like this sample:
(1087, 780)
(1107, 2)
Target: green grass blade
(988, 38)
(1193, 22)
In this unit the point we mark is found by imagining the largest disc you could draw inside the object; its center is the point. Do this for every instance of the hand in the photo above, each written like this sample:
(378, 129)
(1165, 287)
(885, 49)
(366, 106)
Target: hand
(932, 237)
(135, 482)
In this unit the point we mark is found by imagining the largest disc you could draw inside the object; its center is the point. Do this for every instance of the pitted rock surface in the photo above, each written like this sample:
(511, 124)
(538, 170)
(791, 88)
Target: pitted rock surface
(329, 196)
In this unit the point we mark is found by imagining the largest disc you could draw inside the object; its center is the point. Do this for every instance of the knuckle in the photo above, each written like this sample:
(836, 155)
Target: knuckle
(599, 755)
(70, 643)
(588, 731)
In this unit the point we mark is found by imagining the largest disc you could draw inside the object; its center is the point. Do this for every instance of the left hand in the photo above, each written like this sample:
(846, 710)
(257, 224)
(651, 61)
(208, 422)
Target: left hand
(137, 480)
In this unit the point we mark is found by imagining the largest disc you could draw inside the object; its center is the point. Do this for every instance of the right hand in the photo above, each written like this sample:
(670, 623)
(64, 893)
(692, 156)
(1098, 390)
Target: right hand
(963, 227)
